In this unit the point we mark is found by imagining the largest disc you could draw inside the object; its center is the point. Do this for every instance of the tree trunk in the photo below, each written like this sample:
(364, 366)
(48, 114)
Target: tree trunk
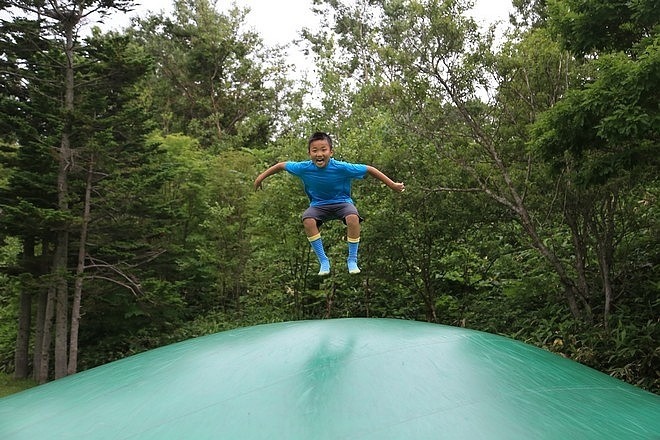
(23, 337)
(42, 375)
(61, 304)
(24, 316)
(80, 269)
(579, 238)
(429, 297)
(62, 250)
(367, 297)
(42, 300)
(570, 289)
(605, 232)
(605, 264)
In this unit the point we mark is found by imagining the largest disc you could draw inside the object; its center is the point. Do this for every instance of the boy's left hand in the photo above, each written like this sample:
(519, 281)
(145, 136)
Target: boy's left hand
(398, 187)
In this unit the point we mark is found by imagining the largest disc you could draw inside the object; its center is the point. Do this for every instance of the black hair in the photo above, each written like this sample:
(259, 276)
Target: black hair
(319, 136)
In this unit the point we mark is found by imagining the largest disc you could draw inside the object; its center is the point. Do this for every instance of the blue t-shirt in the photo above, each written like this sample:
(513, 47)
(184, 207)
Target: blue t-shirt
(330, 184)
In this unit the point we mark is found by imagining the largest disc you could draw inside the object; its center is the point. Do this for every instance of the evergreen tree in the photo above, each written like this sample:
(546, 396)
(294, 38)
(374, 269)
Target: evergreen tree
(40, 96)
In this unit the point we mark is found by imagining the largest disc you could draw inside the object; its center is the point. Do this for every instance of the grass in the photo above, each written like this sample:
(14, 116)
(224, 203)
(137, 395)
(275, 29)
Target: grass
(9, 385)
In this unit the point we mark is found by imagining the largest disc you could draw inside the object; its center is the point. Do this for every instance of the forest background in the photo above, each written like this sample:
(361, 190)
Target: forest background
(128, 218)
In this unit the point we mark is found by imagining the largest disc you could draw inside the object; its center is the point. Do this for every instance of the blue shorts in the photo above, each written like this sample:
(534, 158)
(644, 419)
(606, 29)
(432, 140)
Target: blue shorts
(337, 211)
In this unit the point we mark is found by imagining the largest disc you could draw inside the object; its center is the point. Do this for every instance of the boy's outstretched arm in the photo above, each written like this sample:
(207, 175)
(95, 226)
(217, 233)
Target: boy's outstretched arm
(269, 172)
(395, 186)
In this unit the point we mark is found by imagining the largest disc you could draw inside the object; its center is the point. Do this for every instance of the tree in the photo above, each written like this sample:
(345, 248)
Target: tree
(110, 126)
(588, 27)
(30, 197)
(602, 136)
(214, 82)
(47, 25)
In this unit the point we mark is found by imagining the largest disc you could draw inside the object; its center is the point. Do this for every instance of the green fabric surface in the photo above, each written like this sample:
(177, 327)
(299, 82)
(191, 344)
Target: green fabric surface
(336, 379)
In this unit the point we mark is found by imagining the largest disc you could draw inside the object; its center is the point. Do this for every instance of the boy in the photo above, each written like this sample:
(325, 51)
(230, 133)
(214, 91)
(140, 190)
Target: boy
(327, 183)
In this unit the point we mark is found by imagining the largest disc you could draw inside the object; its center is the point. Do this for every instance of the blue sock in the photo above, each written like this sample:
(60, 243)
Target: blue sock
(317, 245)
(353, 244)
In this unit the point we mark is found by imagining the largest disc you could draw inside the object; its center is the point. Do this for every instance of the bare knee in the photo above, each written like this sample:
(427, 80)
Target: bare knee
(353, 224)
(352, 220)
(310, 226)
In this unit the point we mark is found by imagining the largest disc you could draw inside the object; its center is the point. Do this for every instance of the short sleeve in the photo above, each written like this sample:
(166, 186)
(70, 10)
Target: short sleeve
(294, 168)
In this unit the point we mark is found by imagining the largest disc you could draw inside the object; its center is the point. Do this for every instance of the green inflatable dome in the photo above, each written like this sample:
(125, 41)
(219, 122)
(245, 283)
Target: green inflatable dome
(336, 379)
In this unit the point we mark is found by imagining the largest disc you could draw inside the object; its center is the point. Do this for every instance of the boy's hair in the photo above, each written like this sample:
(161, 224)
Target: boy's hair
(319, 136)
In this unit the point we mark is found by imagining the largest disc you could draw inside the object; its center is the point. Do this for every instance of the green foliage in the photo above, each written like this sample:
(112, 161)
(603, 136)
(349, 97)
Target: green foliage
(9, 251)
(6, 151)
(628, 351)
(8, 320)
(588, 26)
(631, 354)
(609, 127)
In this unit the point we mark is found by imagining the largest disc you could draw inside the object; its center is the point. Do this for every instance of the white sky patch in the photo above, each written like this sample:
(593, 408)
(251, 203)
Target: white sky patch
(280, 23)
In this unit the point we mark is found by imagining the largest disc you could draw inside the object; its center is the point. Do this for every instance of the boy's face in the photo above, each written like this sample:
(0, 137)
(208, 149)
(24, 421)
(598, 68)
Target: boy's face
(320, 152)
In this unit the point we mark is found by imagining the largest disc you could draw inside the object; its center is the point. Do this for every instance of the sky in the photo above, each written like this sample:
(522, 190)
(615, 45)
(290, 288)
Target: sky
(280, 22)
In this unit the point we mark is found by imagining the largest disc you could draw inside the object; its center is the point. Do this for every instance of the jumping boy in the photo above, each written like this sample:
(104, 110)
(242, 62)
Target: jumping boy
(327, 183)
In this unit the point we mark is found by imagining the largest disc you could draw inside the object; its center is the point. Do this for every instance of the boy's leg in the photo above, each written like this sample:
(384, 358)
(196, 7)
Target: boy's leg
(353, 236)
(314, 237)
